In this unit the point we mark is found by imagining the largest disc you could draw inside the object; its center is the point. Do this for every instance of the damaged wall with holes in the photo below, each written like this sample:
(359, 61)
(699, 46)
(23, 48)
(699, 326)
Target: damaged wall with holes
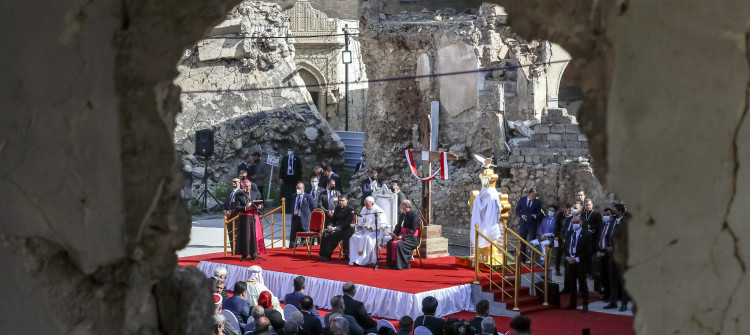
(219, 78)
(509, 112)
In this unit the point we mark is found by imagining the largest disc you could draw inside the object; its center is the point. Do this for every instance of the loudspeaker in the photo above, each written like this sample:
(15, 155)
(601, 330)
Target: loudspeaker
(204, 142)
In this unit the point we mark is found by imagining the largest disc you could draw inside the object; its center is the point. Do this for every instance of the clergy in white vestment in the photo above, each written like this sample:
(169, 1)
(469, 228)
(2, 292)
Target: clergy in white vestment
(362, 243)
(485, 213)
(255, 286)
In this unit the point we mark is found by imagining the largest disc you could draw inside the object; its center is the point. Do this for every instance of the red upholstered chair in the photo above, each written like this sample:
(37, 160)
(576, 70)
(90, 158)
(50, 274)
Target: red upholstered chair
(317, 218)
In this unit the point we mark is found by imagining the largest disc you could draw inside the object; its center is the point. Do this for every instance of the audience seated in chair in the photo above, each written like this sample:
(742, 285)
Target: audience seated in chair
(226, 328)
(357, 309)
(405, 325)
(337, 310)
(312, 323)
(238, 305)
(521, 325)
(339, 326)
(276, 318)
(295, 297)
(429, 320)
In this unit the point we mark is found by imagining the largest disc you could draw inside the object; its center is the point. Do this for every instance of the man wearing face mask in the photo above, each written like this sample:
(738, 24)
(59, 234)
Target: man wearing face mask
(328, 200)
(315, 190)
(546, 231)
(397, 189)
(529, 212)
(578, 250)
(561, 221)
(567, 229)
(361, 163)
(370, 185)
(302, 208)
(618, 240)
(291, 173)
(603, 248)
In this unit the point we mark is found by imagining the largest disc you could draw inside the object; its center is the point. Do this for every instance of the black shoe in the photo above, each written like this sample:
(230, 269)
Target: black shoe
(585, 308)
(243, 258)
(323, 258)
(624, 307)
(611, 305)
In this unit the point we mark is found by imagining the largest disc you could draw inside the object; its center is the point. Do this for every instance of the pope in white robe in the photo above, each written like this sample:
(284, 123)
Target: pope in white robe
(362, 243)
(485, 213)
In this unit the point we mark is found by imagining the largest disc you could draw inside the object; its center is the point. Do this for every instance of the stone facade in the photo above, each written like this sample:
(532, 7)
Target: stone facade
(474, 107)
(241, 55)
(318, 61)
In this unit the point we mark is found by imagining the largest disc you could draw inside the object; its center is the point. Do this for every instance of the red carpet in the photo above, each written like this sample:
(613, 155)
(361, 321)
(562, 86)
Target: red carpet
(437, 273)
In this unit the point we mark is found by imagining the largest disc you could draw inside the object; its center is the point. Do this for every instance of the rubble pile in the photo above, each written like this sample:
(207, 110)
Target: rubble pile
(228, 72)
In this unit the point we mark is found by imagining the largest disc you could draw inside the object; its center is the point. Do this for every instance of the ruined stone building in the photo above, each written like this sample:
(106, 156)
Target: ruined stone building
(515, 83)
(318, 59)
(90, 182)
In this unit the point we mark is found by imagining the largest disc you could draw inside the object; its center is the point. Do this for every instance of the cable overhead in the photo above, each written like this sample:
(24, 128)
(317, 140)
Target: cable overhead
(378, 80)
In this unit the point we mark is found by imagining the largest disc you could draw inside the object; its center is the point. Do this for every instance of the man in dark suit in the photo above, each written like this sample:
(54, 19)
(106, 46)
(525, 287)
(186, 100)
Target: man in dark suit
(315, 190)
(429, 320)
(312, 324)
(396, 189)
(302, 207)
(329, 200)
(405, 325)
(483, 311)
(291, 174)
(340, 230)
(560, 233)
(230, 211)
(370, 185)
(618, 240)
(578, 250)
(247, 164)
(357, 309)
(529, 211)
(337, 307)
(330, 175)
(603, 247)
(238, 305)
(295, 297)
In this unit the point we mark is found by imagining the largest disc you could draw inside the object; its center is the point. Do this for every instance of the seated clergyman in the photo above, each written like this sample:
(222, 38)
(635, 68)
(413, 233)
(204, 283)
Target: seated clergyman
(362, 243)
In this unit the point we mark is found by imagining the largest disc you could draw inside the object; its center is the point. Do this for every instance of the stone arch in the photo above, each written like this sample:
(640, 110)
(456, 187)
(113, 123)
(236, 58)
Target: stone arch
(311, 75)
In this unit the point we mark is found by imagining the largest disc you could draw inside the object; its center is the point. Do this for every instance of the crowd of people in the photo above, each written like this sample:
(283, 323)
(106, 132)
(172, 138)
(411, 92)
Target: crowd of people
(584, 238)
(372, 228)
(253, 310)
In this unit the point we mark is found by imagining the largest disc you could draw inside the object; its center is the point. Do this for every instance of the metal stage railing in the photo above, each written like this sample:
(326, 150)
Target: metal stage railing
(265, 224)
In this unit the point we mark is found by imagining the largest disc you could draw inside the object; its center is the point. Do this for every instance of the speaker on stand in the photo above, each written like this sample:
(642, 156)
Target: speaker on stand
(204, 147)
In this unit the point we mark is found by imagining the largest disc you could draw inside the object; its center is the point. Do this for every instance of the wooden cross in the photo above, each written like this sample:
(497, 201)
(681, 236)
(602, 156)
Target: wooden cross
(434, 156)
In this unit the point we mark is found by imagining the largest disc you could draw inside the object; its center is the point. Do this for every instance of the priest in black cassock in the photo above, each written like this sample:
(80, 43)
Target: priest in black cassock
(339, 230)
(403, 243)
(247, 234)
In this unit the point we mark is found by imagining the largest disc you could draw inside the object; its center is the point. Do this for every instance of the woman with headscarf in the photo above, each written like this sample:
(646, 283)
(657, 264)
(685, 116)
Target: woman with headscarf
(255, 287)
(266, 300)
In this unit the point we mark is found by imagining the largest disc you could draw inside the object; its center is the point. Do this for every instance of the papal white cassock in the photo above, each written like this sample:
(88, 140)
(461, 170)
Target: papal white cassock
(362, 243)
(485, 213)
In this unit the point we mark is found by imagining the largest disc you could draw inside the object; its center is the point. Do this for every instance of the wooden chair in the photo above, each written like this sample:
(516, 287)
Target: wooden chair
(418, 234)
(317, 218)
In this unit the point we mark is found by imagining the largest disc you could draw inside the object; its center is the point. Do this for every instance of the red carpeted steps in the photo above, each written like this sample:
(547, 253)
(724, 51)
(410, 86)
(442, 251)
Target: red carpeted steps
(527, 303)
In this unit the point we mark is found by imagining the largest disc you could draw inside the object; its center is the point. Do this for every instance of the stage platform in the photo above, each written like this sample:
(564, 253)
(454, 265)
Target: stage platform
(386, 293)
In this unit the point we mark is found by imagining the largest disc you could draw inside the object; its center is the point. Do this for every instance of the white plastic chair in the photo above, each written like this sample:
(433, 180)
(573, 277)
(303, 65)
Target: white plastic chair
(288, 310)
(422, 330)
(232, 319)
(384, 323)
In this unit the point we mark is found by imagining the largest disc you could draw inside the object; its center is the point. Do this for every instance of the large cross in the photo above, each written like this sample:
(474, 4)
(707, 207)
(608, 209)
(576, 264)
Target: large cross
(434, 156)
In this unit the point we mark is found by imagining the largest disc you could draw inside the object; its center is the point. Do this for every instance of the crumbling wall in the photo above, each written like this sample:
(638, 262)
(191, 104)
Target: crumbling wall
(219, 78)
(474, 108)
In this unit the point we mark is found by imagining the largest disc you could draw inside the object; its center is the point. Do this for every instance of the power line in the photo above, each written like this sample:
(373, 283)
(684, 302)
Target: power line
(379, 80)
